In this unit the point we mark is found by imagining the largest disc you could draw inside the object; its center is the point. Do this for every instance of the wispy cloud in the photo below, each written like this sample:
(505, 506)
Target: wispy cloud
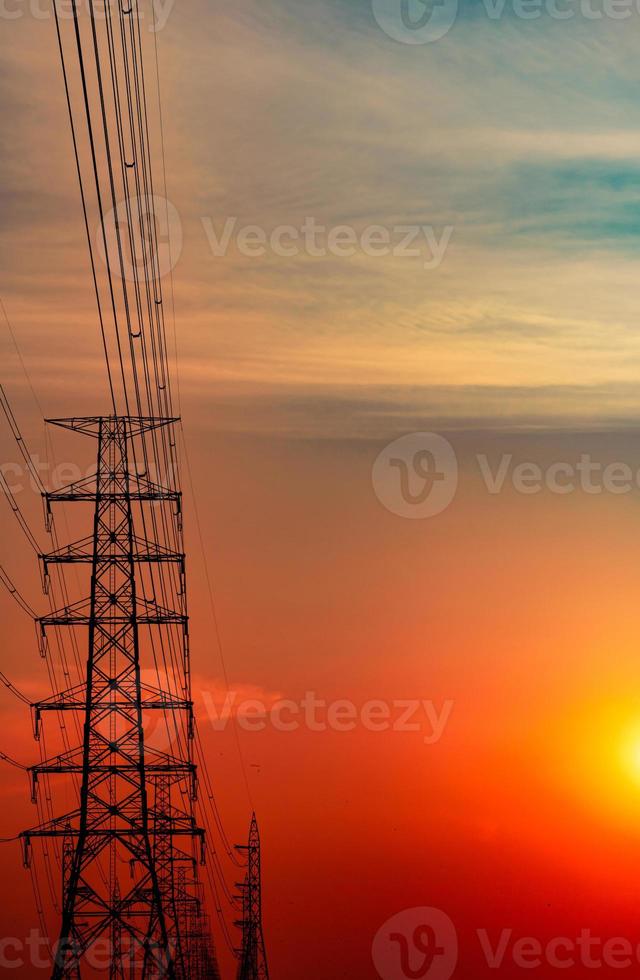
(521, 136)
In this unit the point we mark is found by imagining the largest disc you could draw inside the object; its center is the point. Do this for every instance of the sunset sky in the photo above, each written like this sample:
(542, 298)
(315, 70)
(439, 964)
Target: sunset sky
(515, 609)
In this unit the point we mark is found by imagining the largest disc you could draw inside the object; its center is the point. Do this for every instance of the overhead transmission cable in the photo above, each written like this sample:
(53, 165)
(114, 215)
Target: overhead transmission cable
(13, 591)
(83, 197)
(153, 347)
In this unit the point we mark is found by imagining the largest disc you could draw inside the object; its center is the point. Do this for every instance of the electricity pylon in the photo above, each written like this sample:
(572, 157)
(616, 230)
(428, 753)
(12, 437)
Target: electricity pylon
(195, 928)
(123, 842)
(252, 955)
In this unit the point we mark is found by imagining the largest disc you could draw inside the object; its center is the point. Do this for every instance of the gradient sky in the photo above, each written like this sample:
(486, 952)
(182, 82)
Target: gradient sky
(295, 373)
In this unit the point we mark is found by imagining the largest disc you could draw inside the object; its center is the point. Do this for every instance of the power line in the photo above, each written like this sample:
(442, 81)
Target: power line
(82, 196)
(20, 357)
(12, 762)
(214, 613)
(210, 797)
(62, 653)
(13, 591)
(14, 690)
(8, 492)
(161, 584)
(15, 431)
(26, 455)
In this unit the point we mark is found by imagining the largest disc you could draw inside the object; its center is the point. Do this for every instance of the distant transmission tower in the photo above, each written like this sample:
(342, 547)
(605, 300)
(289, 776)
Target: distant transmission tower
(130, 849)
(126, 840)
(252, 955)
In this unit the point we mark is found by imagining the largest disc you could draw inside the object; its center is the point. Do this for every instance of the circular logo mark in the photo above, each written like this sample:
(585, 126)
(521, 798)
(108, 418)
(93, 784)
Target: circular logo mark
(415, 21)
(416, 476)
(417, 944)
(141, 238)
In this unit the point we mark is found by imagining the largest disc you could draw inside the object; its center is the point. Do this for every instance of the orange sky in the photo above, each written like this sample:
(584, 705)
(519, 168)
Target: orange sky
(516, 610)
(523, 815)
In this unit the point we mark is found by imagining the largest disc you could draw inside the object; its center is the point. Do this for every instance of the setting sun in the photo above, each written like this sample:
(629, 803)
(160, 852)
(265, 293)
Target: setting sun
(336, 649)
(631, 752)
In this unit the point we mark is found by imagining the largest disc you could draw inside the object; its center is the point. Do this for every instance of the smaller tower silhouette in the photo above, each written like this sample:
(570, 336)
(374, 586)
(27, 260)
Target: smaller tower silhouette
(252, 955)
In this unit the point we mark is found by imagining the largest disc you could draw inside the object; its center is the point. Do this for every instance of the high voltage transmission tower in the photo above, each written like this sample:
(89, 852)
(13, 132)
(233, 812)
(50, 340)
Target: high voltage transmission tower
(128, 842)
(252, 955)
(127, 855)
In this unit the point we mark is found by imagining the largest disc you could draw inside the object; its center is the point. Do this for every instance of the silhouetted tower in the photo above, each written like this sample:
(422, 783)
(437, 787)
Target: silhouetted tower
(121, 845)
(252, 955)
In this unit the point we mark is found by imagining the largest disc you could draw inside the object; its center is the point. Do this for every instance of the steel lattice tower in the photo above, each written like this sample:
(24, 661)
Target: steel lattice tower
(134, 825)
(252, 955)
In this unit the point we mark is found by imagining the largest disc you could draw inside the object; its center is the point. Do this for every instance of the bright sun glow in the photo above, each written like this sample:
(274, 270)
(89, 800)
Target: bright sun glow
(600, 767)
(631, 752)
(634, 760)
